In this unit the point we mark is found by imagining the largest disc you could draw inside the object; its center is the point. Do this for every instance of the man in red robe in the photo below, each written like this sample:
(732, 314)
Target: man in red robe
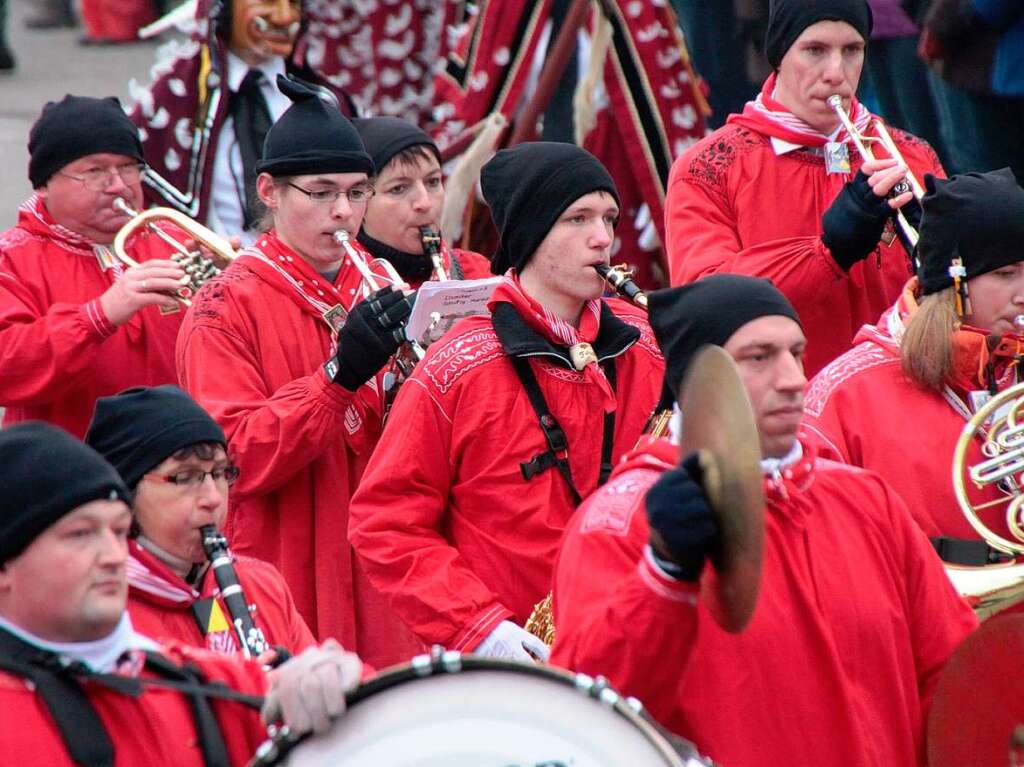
(78, 684)
(855, 616)
(284, 353)
(781, 192)
(511, 418)
(75, 322)
(166, 447)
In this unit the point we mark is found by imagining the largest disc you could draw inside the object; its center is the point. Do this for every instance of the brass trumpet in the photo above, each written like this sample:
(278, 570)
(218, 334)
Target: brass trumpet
(197, 267)
(863, 143)
(410, 352)
(1000, 423)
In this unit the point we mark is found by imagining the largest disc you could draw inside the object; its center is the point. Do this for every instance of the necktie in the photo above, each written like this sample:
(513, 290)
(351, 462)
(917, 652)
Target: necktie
(252, 121)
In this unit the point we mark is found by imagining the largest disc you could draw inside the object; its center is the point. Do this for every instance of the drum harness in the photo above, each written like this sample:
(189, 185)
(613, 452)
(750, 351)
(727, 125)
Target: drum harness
(520, 343)
(58, 683)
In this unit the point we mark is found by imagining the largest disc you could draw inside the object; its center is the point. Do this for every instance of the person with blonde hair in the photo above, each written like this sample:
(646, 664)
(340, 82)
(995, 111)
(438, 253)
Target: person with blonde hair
(897, 402)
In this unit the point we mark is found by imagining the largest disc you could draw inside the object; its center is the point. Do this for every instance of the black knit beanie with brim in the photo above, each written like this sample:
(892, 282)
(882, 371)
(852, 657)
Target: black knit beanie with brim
(529, 186)
(709, 311)
(312, 136)
(45, 474)
(976, 217)
(787, 20)
(77, 126)
(141, 428)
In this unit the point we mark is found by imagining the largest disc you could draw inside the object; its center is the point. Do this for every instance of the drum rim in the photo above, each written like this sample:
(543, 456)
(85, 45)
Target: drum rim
(277, 748)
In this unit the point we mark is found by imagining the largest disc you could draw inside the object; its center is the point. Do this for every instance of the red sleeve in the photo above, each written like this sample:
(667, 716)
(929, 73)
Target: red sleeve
(395, 522)
(44, 348)
(272, 434)
(702, 239)
(299, 635)
(617, 614)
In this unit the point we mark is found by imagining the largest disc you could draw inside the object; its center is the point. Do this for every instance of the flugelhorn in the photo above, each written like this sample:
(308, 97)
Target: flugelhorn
(432, 247)
(1000, 426)
(908, 234)
(197, 267)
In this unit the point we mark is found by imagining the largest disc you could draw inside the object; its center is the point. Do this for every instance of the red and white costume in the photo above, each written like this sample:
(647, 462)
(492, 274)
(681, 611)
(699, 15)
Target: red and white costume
(156, 729)
(251, 352)
(854, 621)
(160, 604)
(444, 522)
(58, 350)
(865, 412)
(749, 199)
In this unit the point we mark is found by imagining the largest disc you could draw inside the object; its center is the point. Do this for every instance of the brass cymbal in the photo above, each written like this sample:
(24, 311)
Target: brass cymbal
(719, 425)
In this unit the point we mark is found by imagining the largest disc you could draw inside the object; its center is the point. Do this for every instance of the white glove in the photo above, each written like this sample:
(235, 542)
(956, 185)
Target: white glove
(307, 691)
(510, 641)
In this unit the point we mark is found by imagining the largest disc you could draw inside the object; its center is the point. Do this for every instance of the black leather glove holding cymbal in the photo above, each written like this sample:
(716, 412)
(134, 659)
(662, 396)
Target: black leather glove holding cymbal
(372, 333)
(854, 222)
(683, 527)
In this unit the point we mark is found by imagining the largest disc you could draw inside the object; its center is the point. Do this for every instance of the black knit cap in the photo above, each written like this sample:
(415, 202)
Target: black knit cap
(529, 186)
(976, 216)
(787, 20)
(312, 136)
(45, 473)
(384, 137)
(142, 427)
(709, 311)
(77, 126)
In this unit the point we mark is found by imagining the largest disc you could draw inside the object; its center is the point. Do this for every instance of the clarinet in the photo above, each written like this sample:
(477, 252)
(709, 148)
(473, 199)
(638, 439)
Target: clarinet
(250, 636)
(621, 282)
(432, 247)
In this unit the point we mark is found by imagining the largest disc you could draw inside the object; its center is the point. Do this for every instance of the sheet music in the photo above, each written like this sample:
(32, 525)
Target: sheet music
(439, 305)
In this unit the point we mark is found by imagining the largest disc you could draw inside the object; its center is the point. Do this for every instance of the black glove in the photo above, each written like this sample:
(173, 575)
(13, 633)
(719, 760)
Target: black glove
(683, 527)
(854, 221)
(372, 333)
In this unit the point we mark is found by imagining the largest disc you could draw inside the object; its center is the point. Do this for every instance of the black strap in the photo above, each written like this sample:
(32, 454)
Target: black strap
(455, 267)
(557, 454)
(251, 122)
(80, 727)
(963, 551)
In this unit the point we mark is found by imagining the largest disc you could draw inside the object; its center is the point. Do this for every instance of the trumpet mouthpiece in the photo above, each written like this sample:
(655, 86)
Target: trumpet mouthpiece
(1018, 323)
(341, 237)
(122, 206)
(835, 100)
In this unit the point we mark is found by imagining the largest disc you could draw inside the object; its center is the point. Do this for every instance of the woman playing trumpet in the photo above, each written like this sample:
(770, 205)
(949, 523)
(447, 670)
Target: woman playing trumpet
(897, 402)
(286, 354)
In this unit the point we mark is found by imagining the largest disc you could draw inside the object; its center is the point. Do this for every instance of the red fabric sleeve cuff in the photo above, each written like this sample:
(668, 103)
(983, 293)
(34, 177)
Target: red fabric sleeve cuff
(96, 319)
(664, 585)
(480, 628)
(339, 395)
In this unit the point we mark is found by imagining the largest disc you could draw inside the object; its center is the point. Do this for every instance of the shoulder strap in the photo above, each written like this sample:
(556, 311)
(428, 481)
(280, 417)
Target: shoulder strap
(608, 437)
(80, 727)
(455, 267)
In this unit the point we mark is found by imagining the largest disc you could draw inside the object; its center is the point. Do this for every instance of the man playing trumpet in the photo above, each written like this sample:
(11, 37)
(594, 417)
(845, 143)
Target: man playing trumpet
(76, 323)
(781, 192)
(284, 352)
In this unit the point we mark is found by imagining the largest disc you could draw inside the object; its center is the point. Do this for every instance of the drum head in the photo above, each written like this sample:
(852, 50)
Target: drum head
(486, 713)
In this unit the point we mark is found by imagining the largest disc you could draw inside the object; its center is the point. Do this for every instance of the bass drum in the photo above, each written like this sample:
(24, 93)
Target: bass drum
(450, 710)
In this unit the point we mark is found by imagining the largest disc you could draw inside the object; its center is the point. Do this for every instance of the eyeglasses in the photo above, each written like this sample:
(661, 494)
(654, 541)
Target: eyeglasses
(98, 179)
(193, 479)
(356, 195)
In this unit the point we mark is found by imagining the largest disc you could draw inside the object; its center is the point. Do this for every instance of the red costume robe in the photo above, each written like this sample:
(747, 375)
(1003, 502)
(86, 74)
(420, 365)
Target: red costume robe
(736, 206)
(865, 412)
(155, 729)
(160, 604)
(444, 521)
(855, 619)
(251, 352)
(58, 350)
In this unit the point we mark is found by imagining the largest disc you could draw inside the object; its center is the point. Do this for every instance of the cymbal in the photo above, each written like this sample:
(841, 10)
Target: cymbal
(719, 425)
(977, 714)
